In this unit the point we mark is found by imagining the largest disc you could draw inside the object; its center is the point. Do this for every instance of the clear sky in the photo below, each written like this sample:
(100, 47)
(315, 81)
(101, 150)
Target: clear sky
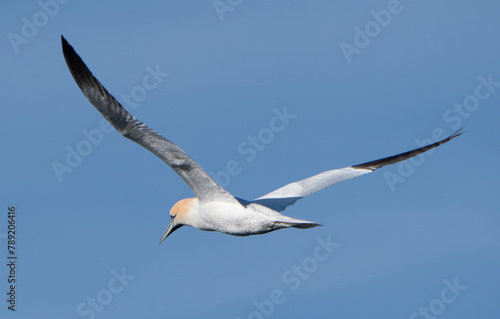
(260, 93)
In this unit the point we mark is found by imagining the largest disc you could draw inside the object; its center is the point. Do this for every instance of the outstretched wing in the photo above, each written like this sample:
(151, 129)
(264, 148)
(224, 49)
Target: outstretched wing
(287, 195)
(204, 187)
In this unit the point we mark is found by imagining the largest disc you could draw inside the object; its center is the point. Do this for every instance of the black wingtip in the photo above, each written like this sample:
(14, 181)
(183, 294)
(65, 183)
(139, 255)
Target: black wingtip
(66, 47)
(78, 69)
(64, 42)
(373, 165)
(457, 133)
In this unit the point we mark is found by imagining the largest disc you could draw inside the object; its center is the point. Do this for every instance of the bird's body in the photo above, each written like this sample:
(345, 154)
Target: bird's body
(234, 219)
(214, 208)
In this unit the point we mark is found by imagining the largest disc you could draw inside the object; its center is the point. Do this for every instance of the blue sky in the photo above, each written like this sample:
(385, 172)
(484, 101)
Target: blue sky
(360, 81)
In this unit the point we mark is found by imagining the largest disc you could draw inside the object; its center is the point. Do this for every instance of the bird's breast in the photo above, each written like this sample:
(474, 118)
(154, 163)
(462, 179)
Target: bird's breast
(231, 219)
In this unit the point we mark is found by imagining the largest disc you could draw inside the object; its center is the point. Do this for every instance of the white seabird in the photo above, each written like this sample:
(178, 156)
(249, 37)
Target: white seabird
(215, 209)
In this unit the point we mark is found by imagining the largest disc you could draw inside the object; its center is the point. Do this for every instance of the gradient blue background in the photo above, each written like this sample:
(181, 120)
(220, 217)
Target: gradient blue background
(397, 246)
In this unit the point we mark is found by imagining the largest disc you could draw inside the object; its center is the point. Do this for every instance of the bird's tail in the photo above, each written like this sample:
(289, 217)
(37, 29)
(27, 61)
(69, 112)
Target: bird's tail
(297, 223)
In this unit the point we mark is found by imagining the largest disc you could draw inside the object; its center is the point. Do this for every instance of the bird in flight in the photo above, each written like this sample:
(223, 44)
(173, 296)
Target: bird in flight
(214, 208)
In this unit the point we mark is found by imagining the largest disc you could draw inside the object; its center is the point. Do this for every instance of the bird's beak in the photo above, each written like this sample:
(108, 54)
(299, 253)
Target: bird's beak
(170, 229)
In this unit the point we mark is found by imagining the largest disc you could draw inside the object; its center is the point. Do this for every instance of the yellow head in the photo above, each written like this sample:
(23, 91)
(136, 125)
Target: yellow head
(180, 215)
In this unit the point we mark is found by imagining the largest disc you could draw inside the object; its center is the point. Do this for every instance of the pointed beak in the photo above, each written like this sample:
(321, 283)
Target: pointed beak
(170, 229)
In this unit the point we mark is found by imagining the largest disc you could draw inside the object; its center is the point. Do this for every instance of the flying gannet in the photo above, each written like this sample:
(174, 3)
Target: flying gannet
(215, 209)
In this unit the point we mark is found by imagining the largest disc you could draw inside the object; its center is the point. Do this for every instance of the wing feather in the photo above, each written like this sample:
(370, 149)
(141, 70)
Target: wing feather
(287, 195)
(204, 187)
